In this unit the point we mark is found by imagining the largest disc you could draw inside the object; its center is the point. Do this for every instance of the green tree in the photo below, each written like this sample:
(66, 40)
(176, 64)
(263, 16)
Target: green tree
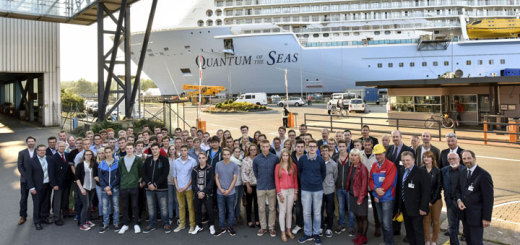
(70, 100)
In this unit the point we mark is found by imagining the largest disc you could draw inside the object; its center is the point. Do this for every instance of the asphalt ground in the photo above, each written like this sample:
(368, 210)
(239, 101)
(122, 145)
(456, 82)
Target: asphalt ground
(500, 161)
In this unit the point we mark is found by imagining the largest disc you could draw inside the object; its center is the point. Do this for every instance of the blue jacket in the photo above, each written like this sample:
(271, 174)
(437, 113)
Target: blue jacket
(109, 176)
(311, 173)
(451, 198)
(263, 168)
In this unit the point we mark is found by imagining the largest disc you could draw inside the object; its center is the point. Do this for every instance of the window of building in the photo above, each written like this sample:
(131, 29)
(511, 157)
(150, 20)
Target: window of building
(469, 102)
(491, 62)
(209, 22)
(468, 62)
(428, 104)
(502, 61)
(219, 22)
(379, 65)
(218, 12)
(412, 64)
(209, 12)
(424, 63)
(446, 63)
(480, 62)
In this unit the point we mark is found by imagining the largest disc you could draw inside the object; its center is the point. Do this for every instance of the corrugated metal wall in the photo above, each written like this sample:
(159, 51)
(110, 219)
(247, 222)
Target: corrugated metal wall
(34, 47)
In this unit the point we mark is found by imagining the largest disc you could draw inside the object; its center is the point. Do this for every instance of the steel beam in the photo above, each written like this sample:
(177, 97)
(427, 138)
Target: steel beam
(101, 62)
(128, 67)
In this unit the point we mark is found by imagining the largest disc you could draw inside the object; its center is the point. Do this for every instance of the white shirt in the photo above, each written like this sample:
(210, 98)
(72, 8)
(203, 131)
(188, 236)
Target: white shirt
(454, 150)
(472, 169)
(424, 150)
(31, 153)
(204, 147)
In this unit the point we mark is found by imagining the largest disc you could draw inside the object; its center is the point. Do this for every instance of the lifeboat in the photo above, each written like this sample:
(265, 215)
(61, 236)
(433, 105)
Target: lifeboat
(493, 28)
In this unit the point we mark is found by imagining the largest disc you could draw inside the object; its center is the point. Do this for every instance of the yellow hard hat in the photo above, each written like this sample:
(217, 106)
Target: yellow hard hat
(379, 149)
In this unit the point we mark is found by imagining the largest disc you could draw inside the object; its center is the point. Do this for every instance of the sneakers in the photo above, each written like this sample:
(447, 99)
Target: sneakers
(231, 231)
(272, 232)
(220, 232)
(197, 229)
(179, 228)
(321, 231)
(328, 233)
(296, 229)
(148, 229)
(76, 217)
(90, 224)
(212, 229)
(261, 232)
(117, 228)
(167, 229)
(351, 232)
(137, 229)
(84, 227)
(103, 229)
(340, 229)
(123, 229)
(191, 230)
(317, 240)
(305, 238)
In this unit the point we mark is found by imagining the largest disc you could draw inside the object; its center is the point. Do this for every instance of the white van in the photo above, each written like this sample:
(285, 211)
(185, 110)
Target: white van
(254, 98)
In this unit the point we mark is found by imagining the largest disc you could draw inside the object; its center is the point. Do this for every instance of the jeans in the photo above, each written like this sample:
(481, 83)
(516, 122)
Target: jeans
(129, 194)
(24, 195)
(453, 214)
(328, 205)
(99, 193)
(239, 191)
(207, 201)
(311, 202)
(344, 205)
(385, 211)
(85, 209)
(173, 206)
(110, 202)
(152, 198)
(183, 198)
(226, 203)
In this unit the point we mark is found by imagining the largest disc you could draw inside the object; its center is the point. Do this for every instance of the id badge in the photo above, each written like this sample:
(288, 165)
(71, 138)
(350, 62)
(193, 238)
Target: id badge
(470, 188)
(411, 185)
(381, 179)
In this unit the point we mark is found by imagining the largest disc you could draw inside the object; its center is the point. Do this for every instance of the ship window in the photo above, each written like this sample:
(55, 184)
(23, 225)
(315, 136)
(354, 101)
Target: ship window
(209, 22)
(480, 62)
(209, 12)
(390, 65)
(315, 35)
(502, 61)
(468, 62)
(491, 62)
(377, 32)
(218, 12)
(401, 64)
(200, 23)
(424, 63)
(228, 44)
(435, 63)
(379, 65)
(325, 35)
(166, 49)
(219, 22)
(446, 63)
(186, 71)
(305, 35)
(412, 64)
(387, 32)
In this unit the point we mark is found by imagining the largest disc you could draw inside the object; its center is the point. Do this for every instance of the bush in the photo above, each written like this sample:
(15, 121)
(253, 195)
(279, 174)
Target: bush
(138, 124)
(236, 107)
(70, 100)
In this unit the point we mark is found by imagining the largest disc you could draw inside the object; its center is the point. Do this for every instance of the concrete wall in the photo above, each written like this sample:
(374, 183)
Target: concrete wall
(510, 95)
(34, 47)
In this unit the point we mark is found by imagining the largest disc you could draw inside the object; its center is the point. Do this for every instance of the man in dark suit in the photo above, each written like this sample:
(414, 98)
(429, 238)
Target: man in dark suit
(51, 150)
(365, 134)
(59, 169)
(38, 184)
(24, 158)
(451, 139)
(476, 199)
(426, 146)
(324, 137)
(394, 155)
(450, 183)
(413, 197)
(347, 134)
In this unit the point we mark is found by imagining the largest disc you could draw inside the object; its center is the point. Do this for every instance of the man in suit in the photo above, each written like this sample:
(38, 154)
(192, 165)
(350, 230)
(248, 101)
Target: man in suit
(365, 134)
(394, 155)
(347, 134)
(324, 137)
(450, 183)
(451, 139)
(413, 197)
(476, 199)
(24, 158)
(51, 150)
(38, 184)
(426, 146)
(59, 169)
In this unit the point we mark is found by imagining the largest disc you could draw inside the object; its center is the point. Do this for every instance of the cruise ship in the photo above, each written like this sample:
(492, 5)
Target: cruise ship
(326, 46)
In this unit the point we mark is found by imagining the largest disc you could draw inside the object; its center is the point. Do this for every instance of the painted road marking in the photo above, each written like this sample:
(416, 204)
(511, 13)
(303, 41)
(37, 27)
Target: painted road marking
(500, 158)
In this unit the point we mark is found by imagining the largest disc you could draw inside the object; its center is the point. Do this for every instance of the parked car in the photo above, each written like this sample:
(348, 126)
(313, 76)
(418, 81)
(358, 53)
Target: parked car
(293, 101)
(356, 105)
(254, 98)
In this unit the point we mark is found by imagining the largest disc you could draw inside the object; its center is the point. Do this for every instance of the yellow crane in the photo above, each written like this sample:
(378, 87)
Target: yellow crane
(191, 92)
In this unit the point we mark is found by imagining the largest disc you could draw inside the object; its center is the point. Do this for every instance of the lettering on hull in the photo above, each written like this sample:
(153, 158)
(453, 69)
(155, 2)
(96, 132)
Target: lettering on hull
(272, 58)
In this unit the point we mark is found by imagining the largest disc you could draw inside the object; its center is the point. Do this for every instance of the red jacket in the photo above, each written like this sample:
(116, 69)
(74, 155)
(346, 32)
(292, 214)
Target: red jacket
(360, 184)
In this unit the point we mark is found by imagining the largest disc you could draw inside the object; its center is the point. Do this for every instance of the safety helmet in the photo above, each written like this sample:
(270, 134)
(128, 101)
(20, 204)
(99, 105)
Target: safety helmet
(379, 149)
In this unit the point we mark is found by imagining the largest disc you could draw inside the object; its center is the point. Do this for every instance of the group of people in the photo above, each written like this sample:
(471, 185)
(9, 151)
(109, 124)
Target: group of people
(192, 178)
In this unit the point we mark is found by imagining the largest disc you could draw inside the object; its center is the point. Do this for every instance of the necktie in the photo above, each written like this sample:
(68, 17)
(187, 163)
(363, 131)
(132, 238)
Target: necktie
(469, 176)
(402, 184)
(63, 157)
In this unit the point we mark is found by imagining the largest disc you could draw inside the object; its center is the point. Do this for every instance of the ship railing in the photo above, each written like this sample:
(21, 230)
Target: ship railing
(474, 131)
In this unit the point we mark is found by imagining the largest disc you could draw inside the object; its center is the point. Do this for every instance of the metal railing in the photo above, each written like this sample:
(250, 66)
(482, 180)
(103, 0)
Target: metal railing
(505, 132)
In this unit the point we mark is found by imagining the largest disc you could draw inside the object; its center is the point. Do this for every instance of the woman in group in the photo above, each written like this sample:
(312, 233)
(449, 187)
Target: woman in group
(173, 209)
(227, 134)
(286, 181)
(433, 217)
(255, 137)
(287, 144)
(86, 179)
(99, 191)
(236, 157)
(249, 181)
(357, 186)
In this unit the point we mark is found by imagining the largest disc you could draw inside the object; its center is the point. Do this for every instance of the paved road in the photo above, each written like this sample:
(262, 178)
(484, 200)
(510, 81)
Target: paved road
(501, 162)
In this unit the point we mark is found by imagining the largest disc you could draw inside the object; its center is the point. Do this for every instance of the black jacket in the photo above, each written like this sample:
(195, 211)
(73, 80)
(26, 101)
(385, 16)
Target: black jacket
(418, 153)
(212, 161)
(435, 183)
(24, 159)
(80, 172)
(34, 173)
(58, 170)
(477, 196)
(49, 152)
(450, 197)
(209, 180)
(156, 172)
(396, 159)
(444, 157)
(416, 191)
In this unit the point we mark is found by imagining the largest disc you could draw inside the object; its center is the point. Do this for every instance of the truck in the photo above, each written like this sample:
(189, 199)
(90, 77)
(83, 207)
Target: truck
(371, 95)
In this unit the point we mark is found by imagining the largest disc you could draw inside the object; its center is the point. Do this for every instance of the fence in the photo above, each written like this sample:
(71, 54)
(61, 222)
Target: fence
(503, 132)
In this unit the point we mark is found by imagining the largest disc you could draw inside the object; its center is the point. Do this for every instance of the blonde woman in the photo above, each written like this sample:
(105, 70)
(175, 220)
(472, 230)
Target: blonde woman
(286, 181)
(249, 181)
(173, 206)
(99, 191)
